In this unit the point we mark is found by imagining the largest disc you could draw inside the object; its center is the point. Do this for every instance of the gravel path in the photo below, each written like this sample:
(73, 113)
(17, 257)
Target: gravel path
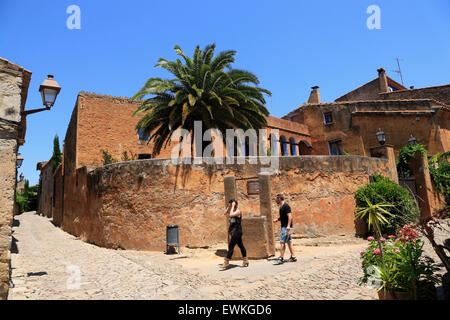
(48, 263)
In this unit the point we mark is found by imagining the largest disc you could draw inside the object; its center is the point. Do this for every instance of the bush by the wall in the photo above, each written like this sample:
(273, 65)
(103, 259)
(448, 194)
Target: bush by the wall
(383, 189)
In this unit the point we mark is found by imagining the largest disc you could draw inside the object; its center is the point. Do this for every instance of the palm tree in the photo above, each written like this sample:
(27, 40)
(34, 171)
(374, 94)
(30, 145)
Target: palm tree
(201, 90)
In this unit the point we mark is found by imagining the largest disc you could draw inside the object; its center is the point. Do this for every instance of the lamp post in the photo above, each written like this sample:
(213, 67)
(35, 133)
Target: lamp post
(412, 141)
(381, 137)
(19, 160)
(49, 90)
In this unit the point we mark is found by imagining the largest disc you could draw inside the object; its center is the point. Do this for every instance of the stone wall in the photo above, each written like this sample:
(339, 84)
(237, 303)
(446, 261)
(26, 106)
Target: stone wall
(107, 123)
(46, 199)
(58, 194)
(14, 82)
(356, 123)
(128, 205)
(8, 149)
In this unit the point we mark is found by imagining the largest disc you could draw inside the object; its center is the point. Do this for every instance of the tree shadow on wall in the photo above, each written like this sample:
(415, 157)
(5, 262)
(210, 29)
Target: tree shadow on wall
(183, 171)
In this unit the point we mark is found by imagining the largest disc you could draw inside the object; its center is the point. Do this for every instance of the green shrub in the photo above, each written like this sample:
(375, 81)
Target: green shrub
(385, 190)
(439, 167)
(405, 154)
(27, 200)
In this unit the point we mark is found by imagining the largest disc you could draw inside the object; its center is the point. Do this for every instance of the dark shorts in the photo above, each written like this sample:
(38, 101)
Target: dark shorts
(285, 237)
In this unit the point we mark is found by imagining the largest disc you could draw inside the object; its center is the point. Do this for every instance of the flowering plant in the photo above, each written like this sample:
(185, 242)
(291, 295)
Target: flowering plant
(403, 267)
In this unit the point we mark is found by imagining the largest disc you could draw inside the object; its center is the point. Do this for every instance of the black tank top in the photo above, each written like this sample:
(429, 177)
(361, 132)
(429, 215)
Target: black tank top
(235, 222)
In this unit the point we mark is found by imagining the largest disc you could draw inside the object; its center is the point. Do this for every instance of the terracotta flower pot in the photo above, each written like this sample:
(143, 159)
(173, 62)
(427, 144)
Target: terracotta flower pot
(393, 295)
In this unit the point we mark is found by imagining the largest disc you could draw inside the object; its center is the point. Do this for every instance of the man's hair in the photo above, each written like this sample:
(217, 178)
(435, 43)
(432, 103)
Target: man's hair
(232, 200)
(280, 196)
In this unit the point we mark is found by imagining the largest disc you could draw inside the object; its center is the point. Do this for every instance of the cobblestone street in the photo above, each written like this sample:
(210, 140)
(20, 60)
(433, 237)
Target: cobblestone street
(47, 262)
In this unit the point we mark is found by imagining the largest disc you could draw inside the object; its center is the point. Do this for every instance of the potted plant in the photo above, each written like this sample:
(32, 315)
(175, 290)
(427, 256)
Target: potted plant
(403, 273)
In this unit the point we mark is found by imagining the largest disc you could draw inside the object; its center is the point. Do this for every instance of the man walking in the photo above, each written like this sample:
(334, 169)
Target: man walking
(286, 226)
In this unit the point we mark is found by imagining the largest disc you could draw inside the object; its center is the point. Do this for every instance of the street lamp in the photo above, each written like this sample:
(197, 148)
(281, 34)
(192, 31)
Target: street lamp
(49, 90)
(381, 137)
(19, 160)
(412, 141)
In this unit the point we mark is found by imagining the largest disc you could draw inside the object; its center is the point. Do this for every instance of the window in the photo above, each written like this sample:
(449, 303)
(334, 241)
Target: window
(328, 118)
(143, 136)
(284, 146)
(335, 147)
(293, 146)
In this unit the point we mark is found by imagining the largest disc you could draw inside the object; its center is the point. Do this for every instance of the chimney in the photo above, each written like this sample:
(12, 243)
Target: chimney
(314, 97)
(382, 81)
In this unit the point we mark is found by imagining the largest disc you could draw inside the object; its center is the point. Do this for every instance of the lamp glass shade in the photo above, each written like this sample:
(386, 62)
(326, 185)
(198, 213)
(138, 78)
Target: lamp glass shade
(49, 96)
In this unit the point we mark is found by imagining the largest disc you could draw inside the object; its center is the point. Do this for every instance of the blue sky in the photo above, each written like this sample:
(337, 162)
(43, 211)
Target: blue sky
(289, 45)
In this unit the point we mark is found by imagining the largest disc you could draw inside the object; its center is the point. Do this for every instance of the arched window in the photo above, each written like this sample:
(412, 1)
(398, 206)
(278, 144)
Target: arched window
(293, 146)
(304, 147)
(284, 146)
(273, 141)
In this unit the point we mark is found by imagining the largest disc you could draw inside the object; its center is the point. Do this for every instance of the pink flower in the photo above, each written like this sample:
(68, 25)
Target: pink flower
(391, 236)
(370, 238)
(362, 252)
(383, 239)
(376, 252)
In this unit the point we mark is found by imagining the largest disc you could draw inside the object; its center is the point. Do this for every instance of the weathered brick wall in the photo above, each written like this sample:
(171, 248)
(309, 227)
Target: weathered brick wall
(368, 91)
(438, 93)
(106, 123)
(57, 205)
(356, 123)
(128, 205)
(46, 200)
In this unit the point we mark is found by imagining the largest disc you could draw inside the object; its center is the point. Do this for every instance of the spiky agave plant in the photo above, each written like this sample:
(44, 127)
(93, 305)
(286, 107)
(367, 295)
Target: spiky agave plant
(201, 90)
(375, 214)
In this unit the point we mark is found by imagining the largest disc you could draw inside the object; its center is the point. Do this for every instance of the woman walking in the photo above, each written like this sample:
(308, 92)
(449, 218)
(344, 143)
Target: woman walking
(235, 232)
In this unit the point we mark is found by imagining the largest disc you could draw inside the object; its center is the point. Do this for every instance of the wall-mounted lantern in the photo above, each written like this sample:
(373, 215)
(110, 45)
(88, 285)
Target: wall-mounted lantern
(381, 137)
(412, 141)
(49, 90)
(19, 160)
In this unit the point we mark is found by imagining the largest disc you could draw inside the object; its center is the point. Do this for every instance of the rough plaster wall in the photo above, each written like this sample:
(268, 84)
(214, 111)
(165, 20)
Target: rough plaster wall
(10, 95)
(7, 184)
(128, 205)
(10, 104)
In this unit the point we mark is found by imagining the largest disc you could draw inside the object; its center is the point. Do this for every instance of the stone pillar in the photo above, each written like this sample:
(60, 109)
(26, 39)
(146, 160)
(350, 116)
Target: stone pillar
(424, 186)
(386, 152)
(230, 188)
(265, 208)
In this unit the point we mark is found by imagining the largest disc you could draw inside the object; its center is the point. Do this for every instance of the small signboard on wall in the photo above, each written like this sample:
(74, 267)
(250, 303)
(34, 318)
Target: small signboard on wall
(253, 187)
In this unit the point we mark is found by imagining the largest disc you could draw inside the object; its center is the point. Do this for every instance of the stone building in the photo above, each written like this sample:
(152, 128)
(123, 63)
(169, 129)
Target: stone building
(14, 82)
(106, 123)
(128, 204)
(349, 124)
